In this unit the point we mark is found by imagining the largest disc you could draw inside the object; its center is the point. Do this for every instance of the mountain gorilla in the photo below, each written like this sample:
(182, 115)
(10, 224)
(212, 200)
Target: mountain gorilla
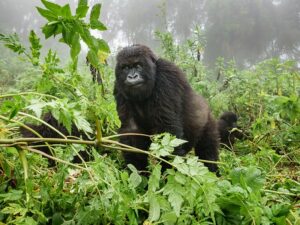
(226, 126)
(153, 96)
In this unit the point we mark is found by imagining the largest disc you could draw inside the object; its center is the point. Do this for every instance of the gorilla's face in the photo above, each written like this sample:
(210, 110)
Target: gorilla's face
(230, 118)
(135, 72)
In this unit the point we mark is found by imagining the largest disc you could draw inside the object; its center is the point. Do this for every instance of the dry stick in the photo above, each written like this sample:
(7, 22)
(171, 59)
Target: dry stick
(95, 143)
(50, 140)
(127, 134)
(26, 127)
(52, 157)
(27, 93)
(280, 192)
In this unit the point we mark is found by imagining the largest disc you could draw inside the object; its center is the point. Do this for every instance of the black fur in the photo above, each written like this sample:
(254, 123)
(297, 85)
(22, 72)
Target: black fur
(164, 102)
(47, 132)
(226, 125)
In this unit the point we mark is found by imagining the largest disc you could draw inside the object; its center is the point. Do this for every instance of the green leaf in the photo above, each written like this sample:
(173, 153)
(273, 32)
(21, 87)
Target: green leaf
(12, 42)
(55, 8)
(95, 13)
(248, 177)
(14, 209)
(75, 46)
(135, 179)
(82, 8)
(67, 35)
(81, 123)
(93, 59)
(102, 46)
(37, 107)
(94, 18)
(12, 195)
(66, 12)
(154, 179)
(166, 139)
(281, 209)
(57, 219)
(35, 48)
(154, 209)
(96, 24)
(49, 30)
(169, 218)
(176, 201)
(176, 142)
(50, 16)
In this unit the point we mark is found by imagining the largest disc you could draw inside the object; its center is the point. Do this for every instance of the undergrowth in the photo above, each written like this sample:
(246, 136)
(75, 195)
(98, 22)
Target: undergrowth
(259, 179)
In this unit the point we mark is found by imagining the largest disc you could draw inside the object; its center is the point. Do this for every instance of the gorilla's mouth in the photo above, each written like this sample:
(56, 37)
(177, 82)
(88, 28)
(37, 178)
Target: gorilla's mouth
(134, 84)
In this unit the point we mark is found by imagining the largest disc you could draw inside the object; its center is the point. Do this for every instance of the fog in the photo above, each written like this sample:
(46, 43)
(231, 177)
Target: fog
(243, 30)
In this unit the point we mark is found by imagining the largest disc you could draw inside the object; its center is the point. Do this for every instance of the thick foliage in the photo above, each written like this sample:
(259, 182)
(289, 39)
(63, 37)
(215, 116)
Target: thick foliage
(259, 181)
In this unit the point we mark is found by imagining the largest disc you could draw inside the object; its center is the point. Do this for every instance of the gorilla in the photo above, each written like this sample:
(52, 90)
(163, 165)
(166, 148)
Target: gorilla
(153, 96)
(226, 126)
(47, 132)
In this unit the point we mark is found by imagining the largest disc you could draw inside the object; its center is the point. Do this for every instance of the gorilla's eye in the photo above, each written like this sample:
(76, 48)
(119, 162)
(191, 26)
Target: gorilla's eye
(138, 66)
(125, 68)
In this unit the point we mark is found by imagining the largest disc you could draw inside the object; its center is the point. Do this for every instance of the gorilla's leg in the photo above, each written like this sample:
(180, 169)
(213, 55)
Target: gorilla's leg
(140, 161)
(207, 147)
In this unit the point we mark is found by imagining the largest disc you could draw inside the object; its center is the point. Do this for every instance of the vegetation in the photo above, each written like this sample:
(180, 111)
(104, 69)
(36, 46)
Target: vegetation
(260, 178)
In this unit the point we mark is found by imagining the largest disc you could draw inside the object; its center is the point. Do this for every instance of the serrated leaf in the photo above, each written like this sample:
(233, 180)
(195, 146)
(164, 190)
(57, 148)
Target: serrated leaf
(154, 208)
(35, 48)
(180, 178)
(14, 209)
(82, 124)
(248, 177)
(154, 146)
(176, 201)
(12, 42)
(166, 139)
(176, 142)
(154, 179)
(82, 8)
(135, 179)
(37, 107)
(12, 195)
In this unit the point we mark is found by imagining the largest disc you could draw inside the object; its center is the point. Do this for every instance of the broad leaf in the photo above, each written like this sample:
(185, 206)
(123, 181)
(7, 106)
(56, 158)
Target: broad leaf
(95, 13)
(154, 209)
(82, 8)
(50, 16)
(66, 11)
(96, 24)
(49, 30)
(52, 6)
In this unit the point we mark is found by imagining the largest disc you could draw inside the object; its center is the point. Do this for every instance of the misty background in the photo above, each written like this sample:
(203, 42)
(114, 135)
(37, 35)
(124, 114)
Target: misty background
(247, 31)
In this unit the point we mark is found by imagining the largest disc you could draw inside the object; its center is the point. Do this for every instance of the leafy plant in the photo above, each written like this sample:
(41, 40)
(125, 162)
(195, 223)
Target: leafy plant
(73, 28)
